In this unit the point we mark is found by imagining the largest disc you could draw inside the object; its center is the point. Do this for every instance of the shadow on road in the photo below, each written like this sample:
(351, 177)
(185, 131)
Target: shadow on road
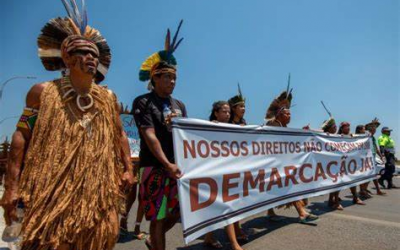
(256, 228)
(127, 237)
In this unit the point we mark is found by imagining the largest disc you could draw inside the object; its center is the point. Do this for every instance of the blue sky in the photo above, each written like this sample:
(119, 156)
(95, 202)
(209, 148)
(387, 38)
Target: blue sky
(346, 53)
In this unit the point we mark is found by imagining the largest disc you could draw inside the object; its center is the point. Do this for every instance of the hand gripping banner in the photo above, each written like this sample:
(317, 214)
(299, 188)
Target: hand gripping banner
(231, 172)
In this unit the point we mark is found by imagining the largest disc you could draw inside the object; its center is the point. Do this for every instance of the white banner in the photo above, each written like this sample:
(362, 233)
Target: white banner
(231, 172)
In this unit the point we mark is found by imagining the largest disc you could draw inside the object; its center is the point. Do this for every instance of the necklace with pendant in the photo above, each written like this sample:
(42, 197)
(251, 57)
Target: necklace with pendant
(68, 94)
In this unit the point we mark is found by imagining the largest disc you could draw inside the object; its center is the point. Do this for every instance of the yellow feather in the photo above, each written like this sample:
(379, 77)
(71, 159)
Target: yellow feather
(150, 62)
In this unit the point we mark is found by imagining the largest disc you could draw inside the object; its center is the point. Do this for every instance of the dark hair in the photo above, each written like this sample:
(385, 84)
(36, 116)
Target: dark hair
(232, 112)
(217, 106)
(242, 121)
(359, 128)
(161, 65)
(326, 128)
(343, 124)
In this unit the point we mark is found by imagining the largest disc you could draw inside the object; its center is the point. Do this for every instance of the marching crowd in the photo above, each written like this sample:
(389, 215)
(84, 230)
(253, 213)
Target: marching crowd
(159, 186)
(70, 168)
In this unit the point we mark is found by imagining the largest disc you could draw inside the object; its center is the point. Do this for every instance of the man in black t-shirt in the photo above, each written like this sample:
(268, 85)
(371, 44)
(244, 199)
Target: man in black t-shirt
(158, 172)
(149, 112)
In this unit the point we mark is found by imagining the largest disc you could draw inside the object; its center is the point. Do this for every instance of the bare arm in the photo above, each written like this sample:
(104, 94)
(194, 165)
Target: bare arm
(128, 176)
(19, 145)
(126, 152)
(378, 150)
(13, 169)
(155, 147)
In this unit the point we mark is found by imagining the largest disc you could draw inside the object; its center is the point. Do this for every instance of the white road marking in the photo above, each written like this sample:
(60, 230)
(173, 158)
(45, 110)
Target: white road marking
(363, 219)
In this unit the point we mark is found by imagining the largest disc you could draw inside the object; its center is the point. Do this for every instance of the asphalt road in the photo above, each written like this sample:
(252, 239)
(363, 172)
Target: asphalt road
(375, 226)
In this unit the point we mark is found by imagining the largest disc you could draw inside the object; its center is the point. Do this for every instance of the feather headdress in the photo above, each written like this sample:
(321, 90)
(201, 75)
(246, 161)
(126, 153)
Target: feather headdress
(165, 56)
(237, 99)
(330, 122)
(373, 124)
(283, 101)
(58, 29)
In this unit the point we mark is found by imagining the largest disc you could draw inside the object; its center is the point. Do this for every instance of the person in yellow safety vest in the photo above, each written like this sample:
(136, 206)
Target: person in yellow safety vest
(386, 145)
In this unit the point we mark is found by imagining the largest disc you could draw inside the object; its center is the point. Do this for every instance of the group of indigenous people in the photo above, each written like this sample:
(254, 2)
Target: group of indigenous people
(70, 167)
(330, 127)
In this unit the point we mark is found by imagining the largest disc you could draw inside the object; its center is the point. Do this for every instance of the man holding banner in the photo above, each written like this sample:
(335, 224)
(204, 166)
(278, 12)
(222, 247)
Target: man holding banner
(158, 172)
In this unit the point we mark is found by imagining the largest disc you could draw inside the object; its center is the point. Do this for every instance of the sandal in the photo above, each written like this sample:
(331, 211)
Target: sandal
(308, 218)
(141, 236)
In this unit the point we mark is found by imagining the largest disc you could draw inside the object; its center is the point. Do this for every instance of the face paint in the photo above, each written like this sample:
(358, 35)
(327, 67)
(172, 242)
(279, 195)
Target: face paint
(85, 59)
(74, 43)
(83, 55)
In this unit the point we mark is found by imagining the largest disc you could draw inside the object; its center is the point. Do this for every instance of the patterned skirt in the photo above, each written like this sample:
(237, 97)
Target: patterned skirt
(158, 193)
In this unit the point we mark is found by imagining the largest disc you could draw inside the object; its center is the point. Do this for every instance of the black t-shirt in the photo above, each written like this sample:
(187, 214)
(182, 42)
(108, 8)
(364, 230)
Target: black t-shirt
(148, 112)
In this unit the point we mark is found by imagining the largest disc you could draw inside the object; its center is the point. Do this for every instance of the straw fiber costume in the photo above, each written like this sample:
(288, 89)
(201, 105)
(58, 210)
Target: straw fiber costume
(70, 184)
